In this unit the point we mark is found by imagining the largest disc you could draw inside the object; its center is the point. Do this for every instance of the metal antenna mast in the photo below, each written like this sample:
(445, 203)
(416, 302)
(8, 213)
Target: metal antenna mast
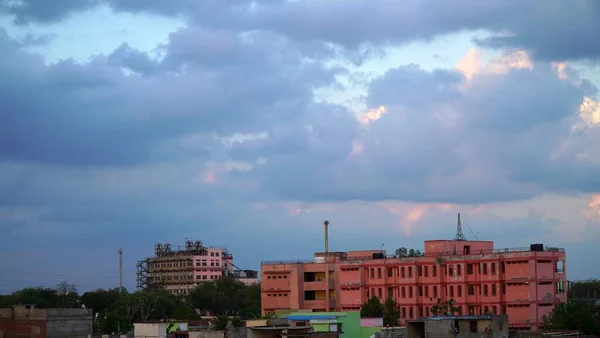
(459, 233)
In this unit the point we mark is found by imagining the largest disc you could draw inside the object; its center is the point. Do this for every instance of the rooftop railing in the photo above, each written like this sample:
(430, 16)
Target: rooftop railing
(435, 254)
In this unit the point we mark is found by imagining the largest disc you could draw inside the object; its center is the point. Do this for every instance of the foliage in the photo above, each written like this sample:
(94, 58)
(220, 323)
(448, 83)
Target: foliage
(574, 315)
(227, 296)
(441, 308)
(220, 322)
(585, 289)
(403, 252)
(116, 312)
(391, 313)
(372, 308)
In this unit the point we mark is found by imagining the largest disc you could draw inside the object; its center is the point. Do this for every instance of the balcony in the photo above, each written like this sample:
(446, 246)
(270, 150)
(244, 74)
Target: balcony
(318, 304)
(319, 285)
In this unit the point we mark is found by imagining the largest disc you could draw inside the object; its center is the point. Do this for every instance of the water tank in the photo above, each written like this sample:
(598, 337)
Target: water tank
(378, 255)
(537, 247)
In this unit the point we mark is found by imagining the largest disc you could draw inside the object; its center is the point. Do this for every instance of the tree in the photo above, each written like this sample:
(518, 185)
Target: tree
(443, 308)
(227, 296)
(66, 295)
(372, 308)
(404, 252)
(391, 313)
(574, 315)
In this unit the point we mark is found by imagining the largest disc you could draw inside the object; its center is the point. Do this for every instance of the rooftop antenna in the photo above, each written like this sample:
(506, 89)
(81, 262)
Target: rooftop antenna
(459, 233)
(327, 300)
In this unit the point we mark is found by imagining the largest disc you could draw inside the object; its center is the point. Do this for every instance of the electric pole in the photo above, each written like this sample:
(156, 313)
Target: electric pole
(120, 252)
(326, 225)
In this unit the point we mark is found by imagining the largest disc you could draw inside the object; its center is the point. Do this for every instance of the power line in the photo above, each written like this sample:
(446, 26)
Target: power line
(55, 274)
(54, 284)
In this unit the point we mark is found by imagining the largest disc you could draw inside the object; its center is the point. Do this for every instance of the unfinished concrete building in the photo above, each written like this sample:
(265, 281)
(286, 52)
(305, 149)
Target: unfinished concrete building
(180, 269)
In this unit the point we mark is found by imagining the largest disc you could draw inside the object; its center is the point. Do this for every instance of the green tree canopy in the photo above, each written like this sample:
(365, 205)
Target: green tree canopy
(574, 315)
(372, 308)
(391, 313)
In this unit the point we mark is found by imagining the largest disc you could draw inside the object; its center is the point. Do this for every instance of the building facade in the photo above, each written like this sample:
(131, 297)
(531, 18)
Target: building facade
(522, 283)
(179, 270)
(27, 321)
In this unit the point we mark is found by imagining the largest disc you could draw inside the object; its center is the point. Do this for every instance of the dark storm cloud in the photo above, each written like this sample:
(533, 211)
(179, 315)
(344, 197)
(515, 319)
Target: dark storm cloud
(92, 114)
(31, 11)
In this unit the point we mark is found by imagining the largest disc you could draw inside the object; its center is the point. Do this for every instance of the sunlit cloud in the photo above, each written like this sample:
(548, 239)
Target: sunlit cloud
(372, 115)
(473, 63)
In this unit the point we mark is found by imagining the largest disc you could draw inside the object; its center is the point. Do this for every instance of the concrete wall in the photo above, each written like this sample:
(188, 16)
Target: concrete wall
(150, 330)
(69, 323)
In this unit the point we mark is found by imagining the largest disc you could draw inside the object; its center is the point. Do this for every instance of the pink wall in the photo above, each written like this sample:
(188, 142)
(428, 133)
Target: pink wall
(371, 322)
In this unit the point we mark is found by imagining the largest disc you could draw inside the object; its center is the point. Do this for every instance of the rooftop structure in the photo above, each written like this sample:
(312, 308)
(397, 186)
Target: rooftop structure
(179, 269)
(523, 283)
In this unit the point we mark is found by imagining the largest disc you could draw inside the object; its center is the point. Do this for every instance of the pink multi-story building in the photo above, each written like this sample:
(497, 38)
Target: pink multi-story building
(180, 270)
(524, 283)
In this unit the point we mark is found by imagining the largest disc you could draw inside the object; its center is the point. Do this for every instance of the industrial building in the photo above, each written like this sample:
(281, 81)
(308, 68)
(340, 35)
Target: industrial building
(523, 283)
(180, 269)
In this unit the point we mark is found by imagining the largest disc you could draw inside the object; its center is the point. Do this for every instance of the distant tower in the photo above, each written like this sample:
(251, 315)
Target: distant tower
(459, 234)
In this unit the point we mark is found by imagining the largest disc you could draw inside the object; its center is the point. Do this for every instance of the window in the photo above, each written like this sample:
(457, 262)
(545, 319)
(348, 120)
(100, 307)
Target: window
(494, 291)
(434, 271)
(470, 290)
(459, 291)
(485, 268)
(426, 291)
(451, 290)
(403, 312)
(419, 271)
(479, 268)
(493, 266)
(410, 272)
(469, 269)
(410, 292)
(467, 249)
(403, 292)
(485, 289)
(410, 312)
(420, 291)
(379, 293)
(378, 273)
(426, 272)
(459, 269)
(450, 270)
(502, 267)
(402, 272)
(503, 286)
(390, 272)
(372, 273)
(435, 294)
(390, 292)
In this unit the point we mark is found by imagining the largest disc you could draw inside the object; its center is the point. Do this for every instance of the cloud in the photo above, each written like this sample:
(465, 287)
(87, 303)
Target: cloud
(225, 131)
(552, 30)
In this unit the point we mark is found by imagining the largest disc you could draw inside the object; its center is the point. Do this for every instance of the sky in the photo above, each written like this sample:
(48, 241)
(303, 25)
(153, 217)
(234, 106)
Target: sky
(246, 124)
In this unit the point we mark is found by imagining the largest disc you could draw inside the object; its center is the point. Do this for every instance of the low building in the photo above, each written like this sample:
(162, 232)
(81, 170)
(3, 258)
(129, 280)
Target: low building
(490, 326)
(281, 328)
(28, 321)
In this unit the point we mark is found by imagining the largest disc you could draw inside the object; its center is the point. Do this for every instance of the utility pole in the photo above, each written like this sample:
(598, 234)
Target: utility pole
(326, 225)
(120, 252)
